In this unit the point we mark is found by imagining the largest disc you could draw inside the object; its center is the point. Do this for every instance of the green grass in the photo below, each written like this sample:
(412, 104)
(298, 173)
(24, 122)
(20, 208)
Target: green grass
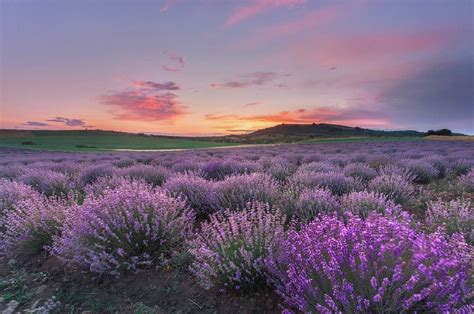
(97, 141)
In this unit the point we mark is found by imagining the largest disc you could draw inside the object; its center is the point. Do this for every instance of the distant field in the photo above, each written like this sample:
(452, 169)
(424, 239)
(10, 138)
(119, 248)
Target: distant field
(97, 141)
(362, 139)
(451, 138)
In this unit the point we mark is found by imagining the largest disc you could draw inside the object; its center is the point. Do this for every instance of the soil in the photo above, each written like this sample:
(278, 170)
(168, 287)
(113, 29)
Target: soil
(154, 291)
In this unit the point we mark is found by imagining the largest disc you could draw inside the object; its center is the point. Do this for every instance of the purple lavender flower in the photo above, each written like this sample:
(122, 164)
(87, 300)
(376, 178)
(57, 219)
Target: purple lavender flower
(235, 192)
(394, 186)
(364, 203)
(126, 229)
(230, 249)
(373, 265)
(199, 193)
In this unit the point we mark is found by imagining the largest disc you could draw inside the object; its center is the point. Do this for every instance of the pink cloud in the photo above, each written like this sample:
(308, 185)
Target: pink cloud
(255, 7)
(350, 49)
(146, 101)
(310, 20)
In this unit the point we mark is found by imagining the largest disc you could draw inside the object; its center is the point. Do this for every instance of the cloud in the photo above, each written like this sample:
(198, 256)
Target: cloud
(177, 62)
(441, 95)
(366, 48)
(146, 101)
(167, 5)
(253, 104)
(154, 86)
(251, 79)
(314, 18)
(346, 116)
(255, 7)
(68, 122)
(35, 123)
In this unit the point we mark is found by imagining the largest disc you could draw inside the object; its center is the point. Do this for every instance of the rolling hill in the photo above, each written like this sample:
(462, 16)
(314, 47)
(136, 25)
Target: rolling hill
(289, 133)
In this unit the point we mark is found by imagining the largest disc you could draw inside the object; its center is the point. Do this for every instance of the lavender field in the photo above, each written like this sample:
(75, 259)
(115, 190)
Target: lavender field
(343, 227)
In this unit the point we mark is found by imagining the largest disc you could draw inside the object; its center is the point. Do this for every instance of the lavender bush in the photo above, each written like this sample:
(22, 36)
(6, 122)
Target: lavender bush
(237, 191)
(153, 175)
(126, 229)
(466, 182)
(200, 194)
(33, 223)
(455, 216)
(375, 265)
(364, 203)
(394, 186)
(230, 250)
(313, 202)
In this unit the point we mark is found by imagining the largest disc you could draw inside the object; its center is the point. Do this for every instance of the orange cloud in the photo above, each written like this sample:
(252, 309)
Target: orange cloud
(348, 116)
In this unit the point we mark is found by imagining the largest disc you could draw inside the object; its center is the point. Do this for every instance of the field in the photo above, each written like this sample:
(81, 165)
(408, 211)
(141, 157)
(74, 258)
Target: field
(374, 227)
(97, 141)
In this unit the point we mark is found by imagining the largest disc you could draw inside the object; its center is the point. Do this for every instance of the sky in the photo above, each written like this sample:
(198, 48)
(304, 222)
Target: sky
(212, 67)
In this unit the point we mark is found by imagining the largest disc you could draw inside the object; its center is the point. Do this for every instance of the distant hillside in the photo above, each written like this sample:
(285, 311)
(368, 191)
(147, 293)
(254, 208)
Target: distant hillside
(327, 130)
(288, 133)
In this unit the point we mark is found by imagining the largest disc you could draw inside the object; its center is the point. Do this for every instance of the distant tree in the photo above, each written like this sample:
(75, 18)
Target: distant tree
(445, 132)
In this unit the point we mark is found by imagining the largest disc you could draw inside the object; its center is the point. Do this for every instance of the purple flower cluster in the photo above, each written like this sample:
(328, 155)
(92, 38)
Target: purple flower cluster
(394, 186)
(364, 203)
(33, 223)
(373, 265)
(313, 202)
(230, 250)
(199, 193)
(235, 192)
(454, 216)
(466, 182)
(128, 228)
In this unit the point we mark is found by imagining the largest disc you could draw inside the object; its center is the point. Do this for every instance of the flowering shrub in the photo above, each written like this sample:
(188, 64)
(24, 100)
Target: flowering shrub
(455, 216)
(46, 181)
(395, 187)
(154, 175)
(423, 171)
(360, 171)
(131, 227)
(393, 170)
(230, 250)
(375, 265)
(363, 203)
(280, 171)
(200, 194)
(91, 173)
(315, 167)
(11, 192)
(312, 202)
(460, 167)
(336, 182)
(32, 224)
(220, 169)
(235, 192)
(466, 182)
(103, 184)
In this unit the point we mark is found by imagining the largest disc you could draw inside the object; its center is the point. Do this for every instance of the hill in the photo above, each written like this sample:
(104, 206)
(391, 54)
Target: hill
(289, 133)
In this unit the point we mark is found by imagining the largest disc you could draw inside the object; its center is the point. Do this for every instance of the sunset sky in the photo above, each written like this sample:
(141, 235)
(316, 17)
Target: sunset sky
(204, 67)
